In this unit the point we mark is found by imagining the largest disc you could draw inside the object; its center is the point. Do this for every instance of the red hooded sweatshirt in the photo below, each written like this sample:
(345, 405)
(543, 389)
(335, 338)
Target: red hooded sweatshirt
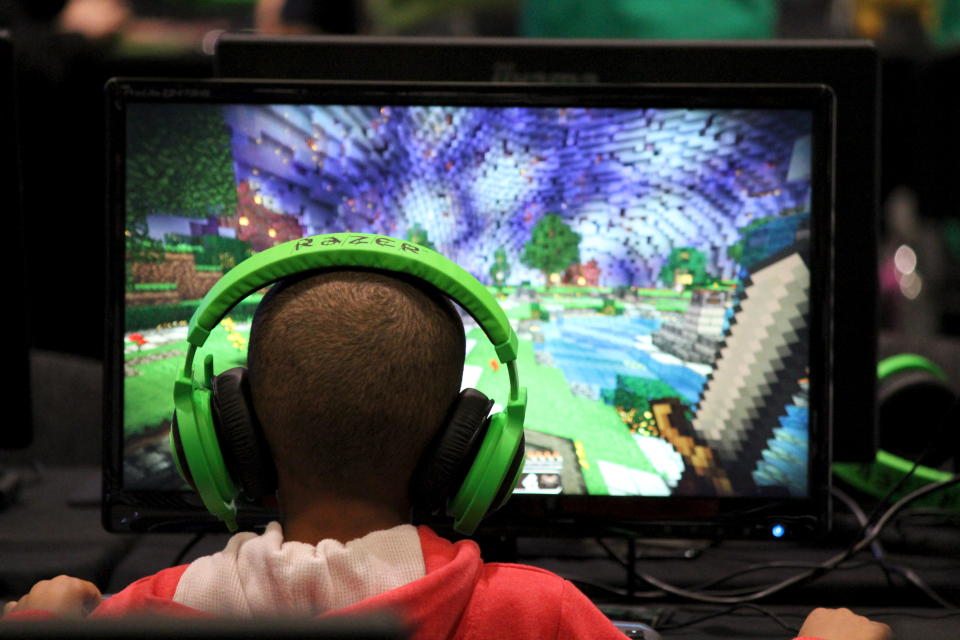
(460, 597)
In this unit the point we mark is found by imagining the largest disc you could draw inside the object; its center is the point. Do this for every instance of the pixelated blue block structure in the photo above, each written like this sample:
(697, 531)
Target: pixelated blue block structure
(784, 462)
(771, 237)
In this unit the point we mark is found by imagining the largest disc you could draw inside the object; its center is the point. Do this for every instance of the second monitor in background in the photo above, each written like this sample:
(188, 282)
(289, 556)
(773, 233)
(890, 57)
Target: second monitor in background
(851, 70)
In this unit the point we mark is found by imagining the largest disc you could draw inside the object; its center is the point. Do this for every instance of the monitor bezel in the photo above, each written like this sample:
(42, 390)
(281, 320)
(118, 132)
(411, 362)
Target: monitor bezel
(165, 511)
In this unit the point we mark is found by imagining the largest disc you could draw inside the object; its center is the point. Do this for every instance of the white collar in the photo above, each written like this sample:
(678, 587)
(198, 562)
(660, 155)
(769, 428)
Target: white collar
(265, 576)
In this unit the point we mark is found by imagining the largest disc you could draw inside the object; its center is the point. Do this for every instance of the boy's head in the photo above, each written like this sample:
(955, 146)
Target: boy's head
(352, 373)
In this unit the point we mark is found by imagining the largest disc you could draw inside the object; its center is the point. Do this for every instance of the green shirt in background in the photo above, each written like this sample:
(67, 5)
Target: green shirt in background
(653, 19)
(946, 33)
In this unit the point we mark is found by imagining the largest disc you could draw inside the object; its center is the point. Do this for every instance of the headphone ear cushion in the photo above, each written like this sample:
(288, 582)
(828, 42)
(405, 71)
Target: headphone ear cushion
(447, 459)
(245, 450)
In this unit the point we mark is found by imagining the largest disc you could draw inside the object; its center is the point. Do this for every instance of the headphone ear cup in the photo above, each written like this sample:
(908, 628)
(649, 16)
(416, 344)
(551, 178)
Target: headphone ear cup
(448, 458)
(179, 455)
(513, 476)
(921, 399)
(245, 450)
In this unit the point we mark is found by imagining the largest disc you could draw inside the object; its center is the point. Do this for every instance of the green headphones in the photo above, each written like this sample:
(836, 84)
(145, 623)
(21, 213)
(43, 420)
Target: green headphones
(908, 384)
(472, 465)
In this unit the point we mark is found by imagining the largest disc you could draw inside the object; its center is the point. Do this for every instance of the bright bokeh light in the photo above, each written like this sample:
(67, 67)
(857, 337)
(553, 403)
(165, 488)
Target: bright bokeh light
(905, 259)
(911, 285)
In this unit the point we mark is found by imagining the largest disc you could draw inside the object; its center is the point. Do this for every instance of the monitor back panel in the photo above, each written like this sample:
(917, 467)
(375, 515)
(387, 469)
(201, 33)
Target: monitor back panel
(850, 68)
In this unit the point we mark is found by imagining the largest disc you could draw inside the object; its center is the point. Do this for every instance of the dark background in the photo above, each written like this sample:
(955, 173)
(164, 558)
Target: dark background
(67, 50)
(62, 140)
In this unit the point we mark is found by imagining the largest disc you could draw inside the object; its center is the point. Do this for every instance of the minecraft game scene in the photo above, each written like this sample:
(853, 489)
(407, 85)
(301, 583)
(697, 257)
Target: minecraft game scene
(653, 262)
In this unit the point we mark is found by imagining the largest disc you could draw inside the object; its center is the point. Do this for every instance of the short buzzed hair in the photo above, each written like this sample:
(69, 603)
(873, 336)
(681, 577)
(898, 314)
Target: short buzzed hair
(352, 372)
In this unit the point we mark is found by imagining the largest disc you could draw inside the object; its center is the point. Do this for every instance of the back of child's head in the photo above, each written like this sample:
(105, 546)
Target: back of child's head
(351, 374)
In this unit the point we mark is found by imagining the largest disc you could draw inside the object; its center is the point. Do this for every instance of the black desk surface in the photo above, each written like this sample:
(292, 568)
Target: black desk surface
(55, 529)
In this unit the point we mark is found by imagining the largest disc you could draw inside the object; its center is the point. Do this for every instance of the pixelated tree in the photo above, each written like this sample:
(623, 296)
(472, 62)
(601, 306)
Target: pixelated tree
(687, 266)
(632, 396)
(214, 251)
(179, 162)
(609, 307)
(418, 234)
(500, 271)
(538, 312)
(553, 246)
(140, 247)
(735, 251)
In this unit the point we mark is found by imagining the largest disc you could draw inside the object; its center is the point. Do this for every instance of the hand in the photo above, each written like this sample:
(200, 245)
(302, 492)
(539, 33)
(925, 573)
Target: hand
(843, 624)
(64, 596)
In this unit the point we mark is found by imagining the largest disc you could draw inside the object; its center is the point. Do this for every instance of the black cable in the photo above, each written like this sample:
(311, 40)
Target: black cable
(716, 581)
(710, 583)
(186, 549)
(939, 517)
(613, 555)
(870, 535)
(658, 593)
(582, 583)
(889, 568)
(904, 501)
(36, 474)
(730, 611)
(771, 565)
(912, 614)
(919, 583)
(824, 567)
(879, 553)
(39, 469)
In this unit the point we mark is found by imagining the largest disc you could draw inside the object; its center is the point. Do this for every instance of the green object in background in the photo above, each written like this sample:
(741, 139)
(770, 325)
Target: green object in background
(951, 234)
(651, 19)
(877, 477)
(946, 32)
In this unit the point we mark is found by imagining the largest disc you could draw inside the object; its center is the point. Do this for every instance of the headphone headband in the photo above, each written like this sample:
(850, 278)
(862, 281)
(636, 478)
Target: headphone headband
(906, 361)
(352, 250)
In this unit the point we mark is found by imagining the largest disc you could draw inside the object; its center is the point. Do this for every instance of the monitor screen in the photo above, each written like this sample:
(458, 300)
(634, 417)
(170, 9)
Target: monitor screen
(655, 250)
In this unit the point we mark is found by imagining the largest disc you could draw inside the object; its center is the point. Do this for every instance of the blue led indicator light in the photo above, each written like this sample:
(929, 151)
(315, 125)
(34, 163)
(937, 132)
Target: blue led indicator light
(778, 530)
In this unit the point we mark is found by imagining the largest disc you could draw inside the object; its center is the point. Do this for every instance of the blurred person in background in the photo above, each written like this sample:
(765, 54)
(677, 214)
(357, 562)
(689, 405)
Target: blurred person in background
(308, 16)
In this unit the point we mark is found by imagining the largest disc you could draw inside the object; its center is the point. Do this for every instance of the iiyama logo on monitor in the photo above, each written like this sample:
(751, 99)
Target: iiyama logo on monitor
(165, 93)
(508, 72)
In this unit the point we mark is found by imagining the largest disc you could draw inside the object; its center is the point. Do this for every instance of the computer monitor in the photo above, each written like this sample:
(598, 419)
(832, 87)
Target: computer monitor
(851, 69)
(675, 345)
